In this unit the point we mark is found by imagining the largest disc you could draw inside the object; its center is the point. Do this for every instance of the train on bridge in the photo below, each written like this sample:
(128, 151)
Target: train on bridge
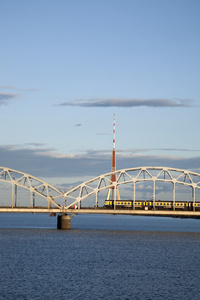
(149, 204)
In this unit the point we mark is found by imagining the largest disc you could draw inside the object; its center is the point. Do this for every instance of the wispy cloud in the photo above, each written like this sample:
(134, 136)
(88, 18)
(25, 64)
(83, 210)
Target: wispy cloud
(132, 102)
(35, 144)
(137, 150)
(9, 87)
(5, 98)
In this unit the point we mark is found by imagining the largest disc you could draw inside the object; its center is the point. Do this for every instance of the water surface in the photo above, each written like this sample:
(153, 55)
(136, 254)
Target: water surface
(102, 257)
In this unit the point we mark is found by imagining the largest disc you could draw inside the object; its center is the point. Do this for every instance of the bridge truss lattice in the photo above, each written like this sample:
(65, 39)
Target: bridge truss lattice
(132, 175)
(98, 184)
(33, 184)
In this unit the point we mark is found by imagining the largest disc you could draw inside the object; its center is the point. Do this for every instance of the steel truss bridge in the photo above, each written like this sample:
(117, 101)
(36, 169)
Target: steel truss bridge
(62, 202)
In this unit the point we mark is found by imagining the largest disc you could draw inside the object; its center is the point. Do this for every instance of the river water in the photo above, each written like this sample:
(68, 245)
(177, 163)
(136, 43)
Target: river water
(101, 257)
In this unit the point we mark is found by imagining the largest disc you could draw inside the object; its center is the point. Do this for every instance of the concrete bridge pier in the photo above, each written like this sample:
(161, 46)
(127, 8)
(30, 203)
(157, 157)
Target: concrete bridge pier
(64, 222)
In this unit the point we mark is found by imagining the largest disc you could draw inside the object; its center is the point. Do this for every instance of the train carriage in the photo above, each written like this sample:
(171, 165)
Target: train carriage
(150, 204)
(128, 204)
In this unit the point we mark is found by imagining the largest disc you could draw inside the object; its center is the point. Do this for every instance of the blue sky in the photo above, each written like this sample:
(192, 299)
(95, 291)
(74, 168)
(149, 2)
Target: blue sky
(67, 66)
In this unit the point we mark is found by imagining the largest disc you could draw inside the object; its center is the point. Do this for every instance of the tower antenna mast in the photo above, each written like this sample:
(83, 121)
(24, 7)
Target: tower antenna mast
(113, 177)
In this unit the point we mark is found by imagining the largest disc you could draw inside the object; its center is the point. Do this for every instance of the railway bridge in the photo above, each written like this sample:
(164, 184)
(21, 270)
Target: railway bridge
(88, 197)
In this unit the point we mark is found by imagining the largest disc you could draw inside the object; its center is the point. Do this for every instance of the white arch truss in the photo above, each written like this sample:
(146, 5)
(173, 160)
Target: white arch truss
(33, 184)
(132, 175)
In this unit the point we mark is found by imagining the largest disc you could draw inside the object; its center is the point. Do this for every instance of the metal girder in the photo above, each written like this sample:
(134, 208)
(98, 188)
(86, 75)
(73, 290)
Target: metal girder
(34, 184)
(100, 183)
(133, 175)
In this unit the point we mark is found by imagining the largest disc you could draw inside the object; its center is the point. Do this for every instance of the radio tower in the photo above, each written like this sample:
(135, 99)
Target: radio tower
(113, 177)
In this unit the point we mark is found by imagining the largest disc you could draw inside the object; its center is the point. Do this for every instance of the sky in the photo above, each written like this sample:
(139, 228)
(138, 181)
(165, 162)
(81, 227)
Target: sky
(66, 67)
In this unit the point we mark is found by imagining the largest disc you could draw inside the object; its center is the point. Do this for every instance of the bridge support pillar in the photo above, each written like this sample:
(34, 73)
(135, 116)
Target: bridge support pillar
(64, 222)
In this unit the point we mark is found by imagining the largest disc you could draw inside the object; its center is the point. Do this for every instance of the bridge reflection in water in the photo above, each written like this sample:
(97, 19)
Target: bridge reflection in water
(89, 197)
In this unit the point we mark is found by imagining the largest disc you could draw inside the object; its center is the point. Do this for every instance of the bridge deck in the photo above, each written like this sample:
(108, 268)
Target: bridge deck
(169, 213)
